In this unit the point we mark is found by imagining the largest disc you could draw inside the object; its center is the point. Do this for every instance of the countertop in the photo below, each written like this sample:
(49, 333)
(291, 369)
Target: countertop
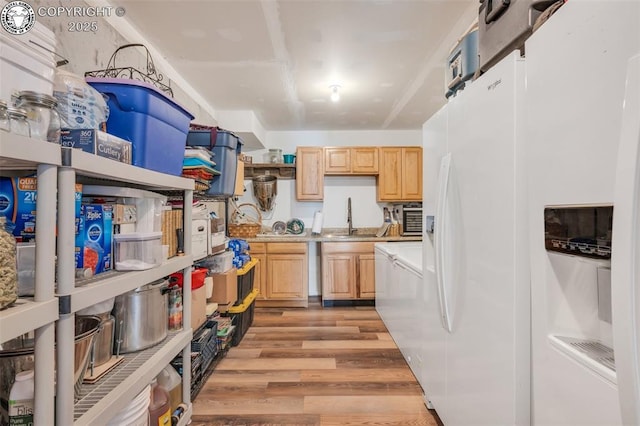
(333, 235)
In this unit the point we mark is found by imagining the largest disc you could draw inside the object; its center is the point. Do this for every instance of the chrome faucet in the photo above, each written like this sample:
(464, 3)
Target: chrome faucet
(349, 218)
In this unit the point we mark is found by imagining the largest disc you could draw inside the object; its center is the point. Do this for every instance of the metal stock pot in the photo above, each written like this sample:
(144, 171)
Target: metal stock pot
(141, 317)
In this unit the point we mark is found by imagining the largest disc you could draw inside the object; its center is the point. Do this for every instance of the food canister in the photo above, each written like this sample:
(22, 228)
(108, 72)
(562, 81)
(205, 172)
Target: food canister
(43, 118)
(141, 317)
(4, 117)
(9, 275)
(18, 123)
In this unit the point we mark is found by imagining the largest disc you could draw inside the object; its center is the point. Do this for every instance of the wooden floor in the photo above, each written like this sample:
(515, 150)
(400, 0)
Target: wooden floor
(315, 366)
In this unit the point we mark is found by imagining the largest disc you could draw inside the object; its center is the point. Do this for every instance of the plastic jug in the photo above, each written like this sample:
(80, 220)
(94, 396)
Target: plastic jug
(21, 399)
(160, 407)
(171, 381)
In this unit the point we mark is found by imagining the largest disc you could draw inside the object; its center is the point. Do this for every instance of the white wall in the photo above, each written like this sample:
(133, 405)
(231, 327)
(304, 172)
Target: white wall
(87, 51)
(366, 212)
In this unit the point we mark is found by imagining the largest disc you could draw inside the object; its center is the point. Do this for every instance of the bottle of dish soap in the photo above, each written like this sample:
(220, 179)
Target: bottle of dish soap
(21, 399)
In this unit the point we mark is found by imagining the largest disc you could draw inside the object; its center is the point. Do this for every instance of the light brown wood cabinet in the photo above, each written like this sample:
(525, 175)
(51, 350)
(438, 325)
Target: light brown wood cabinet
(348, 271)
(400, 175)
(350, 160)
(282, 274)
(309, 173)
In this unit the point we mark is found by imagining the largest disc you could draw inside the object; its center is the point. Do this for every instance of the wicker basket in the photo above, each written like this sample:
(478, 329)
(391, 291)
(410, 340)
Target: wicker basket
(246, 229)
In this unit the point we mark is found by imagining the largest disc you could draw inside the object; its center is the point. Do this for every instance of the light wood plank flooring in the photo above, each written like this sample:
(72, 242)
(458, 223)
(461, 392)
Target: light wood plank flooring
(315, 366)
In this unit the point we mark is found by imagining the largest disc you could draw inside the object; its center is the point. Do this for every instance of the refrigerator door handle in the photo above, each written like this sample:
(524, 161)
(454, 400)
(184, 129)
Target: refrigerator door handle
(625, 265)
(441, 259)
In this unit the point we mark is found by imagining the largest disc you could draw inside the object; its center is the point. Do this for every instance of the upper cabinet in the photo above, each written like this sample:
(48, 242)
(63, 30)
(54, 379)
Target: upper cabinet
(400, 174)
(350, 160)
(309, 173)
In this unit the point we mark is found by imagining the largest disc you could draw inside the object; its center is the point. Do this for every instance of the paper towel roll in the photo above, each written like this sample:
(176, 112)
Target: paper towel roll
(317, 223)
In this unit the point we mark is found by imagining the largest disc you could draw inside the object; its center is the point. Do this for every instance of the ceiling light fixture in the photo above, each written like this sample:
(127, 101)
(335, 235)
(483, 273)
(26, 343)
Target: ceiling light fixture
(335, 95)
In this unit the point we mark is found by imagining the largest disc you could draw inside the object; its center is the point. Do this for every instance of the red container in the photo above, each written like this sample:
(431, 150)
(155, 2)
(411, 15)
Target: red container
(197, 278)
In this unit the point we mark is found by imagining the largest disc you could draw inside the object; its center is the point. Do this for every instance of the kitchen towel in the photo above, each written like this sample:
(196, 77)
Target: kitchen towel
(316, 228)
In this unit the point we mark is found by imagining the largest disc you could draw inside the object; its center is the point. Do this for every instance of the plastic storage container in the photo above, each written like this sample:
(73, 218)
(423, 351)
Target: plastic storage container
(245, 279)
(171, 381)
(159, 407)
(9, 277)
(156, 125)
(226, 151)
(27, 61)
(221, 263)
(21, 399)
(136, 413)
(137, 251)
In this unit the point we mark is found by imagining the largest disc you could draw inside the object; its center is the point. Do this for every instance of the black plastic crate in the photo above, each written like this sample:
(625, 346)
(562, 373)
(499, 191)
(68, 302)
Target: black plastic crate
(246, 275)
(242, 321)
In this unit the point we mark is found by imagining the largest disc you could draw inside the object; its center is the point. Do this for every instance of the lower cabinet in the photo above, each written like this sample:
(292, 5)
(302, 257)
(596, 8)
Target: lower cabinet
(282, 274)
(348, 271)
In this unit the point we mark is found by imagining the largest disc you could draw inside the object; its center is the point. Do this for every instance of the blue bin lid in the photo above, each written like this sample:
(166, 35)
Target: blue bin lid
(123, 82)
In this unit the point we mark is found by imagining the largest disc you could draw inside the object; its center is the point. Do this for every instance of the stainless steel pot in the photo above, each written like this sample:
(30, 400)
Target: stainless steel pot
(141, 317)
(103, 344)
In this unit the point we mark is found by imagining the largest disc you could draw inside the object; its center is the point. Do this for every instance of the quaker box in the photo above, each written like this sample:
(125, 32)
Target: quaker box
(95, 239)
(18, 197)
(97, 142)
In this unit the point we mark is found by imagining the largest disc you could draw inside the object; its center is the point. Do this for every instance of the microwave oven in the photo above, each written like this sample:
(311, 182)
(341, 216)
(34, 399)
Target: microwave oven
(410, 217)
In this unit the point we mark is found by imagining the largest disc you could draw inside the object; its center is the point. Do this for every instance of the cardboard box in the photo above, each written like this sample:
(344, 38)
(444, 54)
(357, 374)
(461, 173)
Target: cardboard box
(18, 197)
(95, 239)
(198, 307)
(225, 287)
(99, 143)
(124, 213)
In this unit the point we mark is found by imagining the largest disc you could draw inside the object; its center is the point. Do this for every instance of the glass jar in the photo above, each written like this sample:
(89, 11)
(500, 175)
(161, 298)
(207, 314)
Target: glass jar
(41, 114)
(274, 156)
(9, 276)
(4, 117)
(18, 123)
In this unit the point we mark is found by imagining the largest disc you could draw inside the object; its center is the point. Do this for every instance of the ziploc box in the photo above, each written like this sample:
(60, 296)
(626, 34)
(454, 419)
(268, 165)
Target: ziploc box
(94, 242)
(96, 142)
(18, 196)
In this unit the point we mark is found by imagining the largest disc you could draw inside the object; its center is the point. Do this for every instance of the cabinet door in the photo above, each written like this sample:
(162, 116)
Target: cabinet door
(339, 277)
(287, 276)
(309, 173)
(337, 160)
(239, 191)
(412, 174)
(364, 160)
(390, 177)
(367, 276)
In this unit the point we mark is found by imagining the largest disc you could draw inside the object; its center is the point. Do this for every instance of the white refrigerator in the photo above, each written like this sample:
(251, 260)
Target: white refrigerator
(582, 90)
(476, 350)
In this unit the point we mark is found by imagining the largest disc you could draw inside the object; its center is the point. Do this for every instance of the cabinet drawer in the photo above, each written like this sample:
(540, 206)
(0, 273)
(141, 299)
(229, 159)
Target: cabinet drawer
(257, 248)
(354, 247)
(287, 248)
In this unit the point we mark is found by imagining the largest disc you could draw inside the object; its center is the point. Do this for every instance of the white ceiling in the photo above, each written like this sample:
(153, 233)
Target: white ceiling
(278, 58)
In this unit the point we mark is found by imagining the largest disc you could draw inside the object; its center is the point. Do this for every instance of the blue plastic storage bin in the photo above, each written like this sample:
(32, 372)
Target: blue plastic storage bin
(226, 151)
(156, 125)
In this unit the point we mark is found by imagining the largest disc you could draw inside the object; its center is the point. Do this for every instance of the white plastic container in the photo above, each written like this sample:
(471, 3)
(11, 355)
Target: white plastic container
(137, 251)
(25, 65)
(21, 399)
(222, 262)
(136, 413)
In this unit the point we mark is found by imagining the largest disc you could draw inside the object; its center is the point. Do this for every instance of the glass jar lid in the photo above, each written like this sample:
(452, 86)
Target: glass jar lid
(41, 99)
(17, 113)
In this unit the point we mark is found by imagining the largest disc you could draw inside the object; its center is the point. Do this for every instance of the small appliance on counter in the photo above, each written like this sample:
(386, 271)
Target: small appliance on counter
(410, 217)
